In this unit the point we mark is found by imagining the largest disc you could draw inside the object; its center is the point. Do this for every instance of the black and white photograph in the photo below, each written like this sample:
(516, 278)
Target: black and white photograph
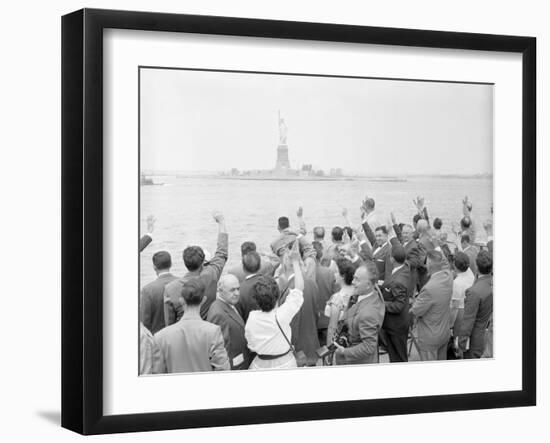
(291, 220)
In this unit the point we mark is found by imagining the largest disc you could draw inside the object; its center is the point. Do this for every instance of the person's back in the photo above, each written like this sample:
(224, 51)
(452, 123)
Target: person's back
(191, 345)
(152, 302)
(434, 324)
(326, 286)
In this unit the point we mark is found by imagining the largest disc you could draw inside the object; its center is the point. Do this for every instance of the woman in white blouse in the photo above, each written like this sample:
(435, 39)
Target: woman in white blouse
(338, 302)
(262, 333)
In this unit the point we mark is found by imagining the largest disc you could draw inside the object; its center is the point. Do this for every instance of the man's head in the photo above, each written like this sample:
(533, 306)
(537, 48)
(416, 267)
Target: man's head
(381, 235)
(465, 240)
(434, 261)
(246, 247)
(365, 278)
(318, 233)
(438, 223)
(193, 257)
(162, 261)
(318, 246)
(252, 262)
(465, 223)
(462, 262)
(416, 218)
(192, 293)
(349, 231)
(283, 223)
(228, 289)
(266, 293)
(484, 262)
(422, 226)
(407, 232)
(337, 234)
(398, 255)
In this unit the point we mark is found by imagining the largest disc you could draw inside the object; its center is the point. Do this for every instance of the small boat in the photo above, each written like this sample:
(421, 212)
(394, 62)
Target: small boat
(145, 181)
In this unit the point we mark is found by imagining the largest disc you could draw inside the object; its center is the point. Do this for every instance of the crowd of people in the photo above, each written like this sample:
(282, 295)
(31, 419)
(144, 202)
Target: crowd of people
(382, 287)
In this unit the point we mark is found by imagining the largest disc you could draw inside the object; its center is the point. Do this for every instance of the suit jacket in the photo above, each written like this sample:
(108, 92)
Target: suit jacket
(326, 286)
(396, 298)
(209, 274)
(144, 242)
(364, 320)
(432, 307)
(472, 252)
(246, 302)
(478, 310)
(304, 324)
(152, 303)
(232, 326)
(381, 257)
(190, 345)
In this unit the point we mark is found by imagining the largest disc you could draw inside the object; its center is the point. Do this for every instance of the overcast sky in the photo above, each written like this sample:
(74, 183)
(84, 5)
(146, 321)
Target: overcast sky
(212, 121)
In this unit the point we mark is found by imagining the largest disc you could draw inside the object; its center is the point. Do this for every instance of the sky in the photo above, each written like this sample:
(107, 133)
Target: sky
(215, 121)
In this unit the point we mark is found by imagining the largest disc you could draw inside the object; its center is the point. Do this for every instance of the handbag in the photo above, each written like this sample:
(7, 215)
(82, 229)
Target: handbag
(300, 356)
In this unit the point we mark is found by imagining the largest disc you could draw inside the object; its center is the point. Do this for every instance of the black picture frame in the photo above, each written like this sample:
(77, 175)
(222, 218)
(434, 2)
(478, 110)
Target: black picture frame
(82, 220)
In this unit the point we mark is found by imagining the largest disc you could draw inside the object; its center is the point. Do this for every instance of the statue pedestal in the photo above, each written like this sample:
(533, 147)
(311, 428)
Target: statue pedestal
(282, 157)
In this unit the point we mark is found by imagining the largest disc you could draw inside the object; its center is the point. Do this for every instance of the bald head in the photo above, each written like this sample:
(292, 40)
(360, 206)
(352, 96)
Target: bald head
(422, 226)
(228, 289)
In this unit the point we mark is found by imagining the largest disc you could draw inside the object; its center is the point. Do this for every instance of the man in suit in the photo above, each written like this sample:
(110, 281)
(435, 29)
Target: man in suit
(191, 344)
(416, 258)
(224, 314)
(382, 254)
(470, 250)
(152, 294)
(326, 286)
(395, 328)
(267, 266)
(363, 319)
(251, 264)
(424, 237)
(209, 273)
(432, 308)
(478, 307)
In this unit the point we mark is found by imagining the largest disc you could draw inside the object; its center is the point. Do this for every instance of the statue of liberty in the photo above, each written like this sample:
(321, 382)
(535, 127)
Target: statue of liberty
(283, 130)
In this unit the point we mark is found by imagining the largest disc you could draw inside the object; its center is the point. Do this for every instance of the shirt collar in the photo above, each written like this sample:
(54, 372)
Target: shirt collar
(163, 273)
(250, 276)
(394, 270)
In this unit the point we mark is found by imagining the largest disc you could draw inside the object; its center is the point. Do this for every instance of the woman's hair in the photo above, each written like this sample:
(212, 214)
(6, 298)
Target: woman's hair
(266, 293)
(346, 269)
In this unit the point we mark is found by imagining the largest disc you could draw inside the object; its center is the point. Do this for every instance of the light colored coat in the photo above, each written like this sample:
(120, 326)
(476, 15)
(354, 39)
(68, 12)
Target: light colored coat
(432, 307)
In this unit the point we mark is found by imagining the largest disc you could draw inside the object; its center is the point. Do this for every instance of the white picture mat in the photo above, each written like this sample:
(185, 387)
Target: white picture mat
(125, 392)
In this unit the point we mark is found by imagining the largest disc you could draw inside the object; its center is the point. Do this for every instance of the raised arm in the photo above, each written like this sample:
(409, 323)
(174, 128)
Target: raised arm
(217, 262)
(301, 223)
(147, 238)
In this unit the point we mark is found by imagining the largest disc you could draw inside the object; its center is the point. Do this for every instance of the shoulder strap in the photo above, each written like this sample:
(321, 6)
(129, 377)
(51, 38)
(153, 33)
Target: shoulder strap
(282, 332)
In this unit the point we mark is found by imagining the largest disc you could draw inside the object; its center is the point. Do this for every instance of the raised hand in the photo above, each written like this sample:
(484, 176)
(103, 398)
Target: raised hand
(419, 203)
(151, 223)
(345, 238)
(300, 212)
(218, 217)
(393, 219)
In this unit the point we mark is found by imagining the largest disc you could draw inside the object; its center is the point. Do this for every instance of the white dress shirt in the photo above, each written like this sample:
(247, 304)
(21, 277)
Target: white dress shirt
(462, 282)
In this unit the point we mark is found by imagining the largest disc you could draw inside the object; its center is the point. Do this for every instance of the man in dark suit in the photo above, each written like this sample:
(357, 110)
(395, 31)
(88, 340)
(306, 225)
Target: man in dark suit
(432, 308)
(224, 314)
(478, 307)
(395, 328)
(152, 294)
(416, 258)
(209, 273)
(363, 318)
(382, 253)
(251, 264)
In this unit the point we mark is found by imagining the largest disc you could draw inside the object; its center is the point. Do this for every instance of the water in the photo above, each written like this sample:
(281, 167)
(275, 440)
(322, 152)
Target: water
(183, 209)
